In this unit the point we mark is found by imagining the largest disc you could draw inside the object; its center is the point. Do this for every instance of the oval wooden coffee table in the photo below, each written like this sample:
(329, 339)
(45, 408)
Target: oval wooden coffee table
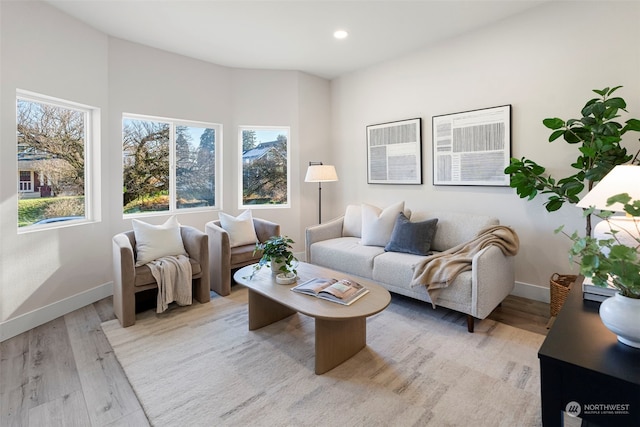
(341, 331)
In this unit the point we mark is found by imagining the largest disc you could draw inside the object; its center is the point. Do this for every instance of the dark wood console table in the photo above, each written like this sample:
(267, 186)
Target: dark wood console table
(583, 368)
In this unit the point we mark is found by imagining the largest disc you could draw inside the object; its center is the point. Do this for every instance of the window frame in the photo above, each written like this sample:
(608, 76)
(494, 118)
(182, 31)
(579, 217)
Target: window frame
(241, 204)
(92, 211)
(173, 124)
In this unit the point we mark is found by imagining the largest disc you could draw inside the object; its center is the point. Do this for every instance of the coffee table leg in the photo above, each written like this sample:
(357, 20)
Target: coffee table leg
(264, 311)
(337, 341)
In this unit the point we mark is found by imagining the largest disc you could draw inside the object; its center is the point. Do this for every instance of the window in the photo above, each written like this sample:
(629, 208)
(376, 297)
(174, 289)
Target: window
(168, 165)
(264, 166)
(54, 138)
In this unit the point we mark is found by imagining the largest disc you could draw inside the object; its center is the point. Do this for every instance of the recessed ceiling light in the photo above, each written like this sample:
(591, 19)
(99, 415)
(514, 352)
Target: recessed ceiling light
(340, 34)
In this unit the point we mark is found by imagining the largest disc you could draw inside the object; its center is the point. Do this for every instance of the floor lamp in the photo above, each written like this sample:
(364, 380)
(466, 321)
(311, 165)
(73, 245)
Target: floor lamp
(317, 172)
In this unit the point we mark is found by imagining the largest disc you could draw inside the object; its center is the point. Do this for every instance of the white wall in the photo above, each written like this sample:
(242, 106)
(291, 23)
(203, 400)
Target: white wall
(47, 52)
(46, 274)
(544, 63)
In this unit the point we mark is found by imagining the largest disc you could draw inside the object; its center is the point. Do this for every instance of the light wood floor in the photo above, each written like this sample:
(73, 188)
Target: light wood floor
(64, 373)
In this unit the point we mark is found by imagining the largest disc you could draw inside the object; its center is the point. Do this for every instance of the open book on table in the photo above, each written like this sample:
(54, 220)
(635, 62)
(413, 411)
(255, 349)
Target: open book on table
(343, 291)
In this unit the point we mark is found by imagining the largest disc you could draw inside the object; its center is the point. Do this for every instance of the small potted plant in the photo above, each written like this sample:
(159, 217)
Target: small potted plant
(614, 261)
(278, 252)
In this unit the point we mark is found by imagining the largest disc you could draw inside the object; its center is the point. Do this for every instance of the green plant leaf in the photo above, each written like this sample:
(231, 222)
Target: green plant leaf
(615, 102)
(553, 123)
(555, 135)
(613, 89)
(631, 124)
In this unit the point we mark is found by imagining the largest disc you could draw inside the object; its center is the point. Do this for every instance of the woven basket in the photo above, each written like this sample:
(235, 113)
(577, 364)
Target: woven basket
(559, 285)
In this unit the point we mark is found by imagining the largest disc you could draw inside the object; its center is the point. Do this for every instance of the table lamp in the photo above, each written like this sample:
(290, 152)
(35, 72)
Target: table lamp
(621, 179)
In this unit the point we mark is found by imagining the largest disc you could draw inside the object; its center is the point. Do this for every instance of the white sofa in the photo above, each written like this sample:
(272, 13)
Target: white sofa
(337, 245)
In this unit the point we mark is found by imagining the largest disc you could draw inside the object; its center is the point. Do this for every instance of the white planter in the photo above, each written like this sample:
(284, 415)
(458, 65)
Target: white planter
(621, 315)
(275, 267)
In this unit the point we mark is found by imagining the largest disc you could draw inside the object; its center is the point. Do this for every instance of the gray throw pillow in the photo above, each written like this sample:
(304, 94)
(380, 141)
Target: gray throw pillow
(412, 237)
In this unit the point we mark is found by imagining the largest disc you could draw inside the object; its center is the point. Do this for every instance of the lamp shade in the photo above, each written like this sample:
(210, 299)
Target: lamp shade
(621, 179)
(321, 173)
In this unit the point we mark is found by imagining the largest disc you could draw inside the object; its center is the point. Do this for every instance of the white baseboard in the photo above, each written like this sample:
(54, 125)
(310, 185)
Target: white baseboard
(17, 325)
(533, 292)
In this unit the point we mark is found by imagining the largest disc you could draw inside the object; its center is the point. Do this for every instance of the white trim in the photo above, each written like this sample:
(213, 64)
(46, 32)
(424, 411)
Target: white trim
(91, 141)
(533, 292)
(19, 324)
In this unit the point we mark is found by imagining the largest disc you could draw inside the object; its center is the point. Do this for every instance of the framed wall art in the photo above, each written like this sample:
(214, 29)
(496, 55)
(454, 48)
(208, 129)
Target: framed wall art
(394, 152)
(472, 147)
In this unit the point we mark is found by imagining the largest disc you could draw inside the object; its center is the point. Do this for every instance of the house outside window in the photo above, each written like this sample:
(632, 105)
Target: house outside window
(169, 165)
(54, 140)
(264, 169)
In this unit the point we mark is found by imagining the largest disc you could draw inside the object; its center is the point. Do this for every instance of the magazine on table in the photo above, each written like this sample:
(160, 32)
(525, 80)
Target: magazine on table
(343, 291)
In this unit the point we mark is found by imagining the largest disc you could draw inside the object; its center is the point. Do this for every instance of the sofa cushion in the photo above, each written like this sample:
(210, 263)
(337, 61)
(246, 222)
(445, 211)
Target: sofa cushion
(240, 228)
(454, 228)
(396, 270)
(243, 255)
(157, 241)
(412, 237)
(377, 224)
(345, 254)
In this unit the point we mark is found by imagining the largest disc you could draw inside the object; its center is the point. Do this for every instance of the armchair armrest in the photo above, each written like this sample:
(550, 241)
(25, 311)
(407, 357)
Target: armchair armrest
(265, 229)
(219, 258)
(493, 278)
(196, 244)
(317, 233)
(124, 276)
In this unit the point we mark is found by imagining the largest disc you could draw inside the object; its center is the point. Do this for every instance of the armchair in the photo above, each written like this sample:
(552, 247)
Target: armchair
(129, 279)
(223, 258)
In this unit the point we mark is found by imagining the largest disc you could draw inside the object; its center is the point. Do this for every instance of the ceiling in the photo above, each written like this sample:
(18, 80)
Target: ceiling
(290, 35)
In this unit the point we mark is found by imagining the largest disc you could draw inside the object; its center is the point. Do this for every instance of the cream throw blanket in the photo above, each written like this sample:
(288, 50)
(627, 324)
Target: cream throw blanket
(439, 270)
(173, 275)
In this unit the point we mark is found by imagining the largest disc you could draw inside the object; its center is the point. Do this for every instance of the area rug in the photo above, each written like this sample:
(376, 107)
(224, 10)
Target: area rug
(201, 366)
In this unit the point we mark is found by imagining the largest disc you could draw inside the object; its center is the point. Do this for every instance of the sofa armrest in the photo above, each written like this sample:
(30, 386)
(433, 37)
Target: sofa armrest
(265, 229)
(493, 278)
(320, 232)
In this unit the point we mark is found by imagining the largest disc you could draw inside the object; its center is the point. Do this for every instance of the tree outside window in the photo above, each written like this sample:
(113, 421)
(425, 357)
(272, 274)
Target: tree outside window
(265, 161)
(150, 148)
(52, 136)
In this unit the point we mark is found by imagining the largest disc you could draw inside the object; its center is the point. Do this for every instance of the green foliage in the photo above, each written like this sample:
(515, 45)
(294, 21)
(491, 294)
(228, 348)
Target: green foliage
(597, 136)
(276, 249)
(31, 211)
(607, 260)
(152, 203)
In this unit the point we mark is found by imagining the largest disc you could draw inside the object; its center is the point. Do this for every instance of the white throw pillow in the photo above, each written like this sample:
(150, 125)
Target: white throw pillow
(157, 241)
(377, 224)
(240, 228)
(352, 223)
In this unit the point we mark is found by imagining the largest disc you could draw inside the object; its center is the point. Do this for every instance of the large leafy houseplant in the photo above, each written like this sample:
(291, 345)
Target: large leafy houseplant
(597, 136)
(609, 261)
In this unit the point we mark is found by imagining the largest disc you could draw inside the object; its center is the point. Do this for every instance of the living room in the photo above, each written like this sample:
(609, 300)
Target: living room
(544, 62)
